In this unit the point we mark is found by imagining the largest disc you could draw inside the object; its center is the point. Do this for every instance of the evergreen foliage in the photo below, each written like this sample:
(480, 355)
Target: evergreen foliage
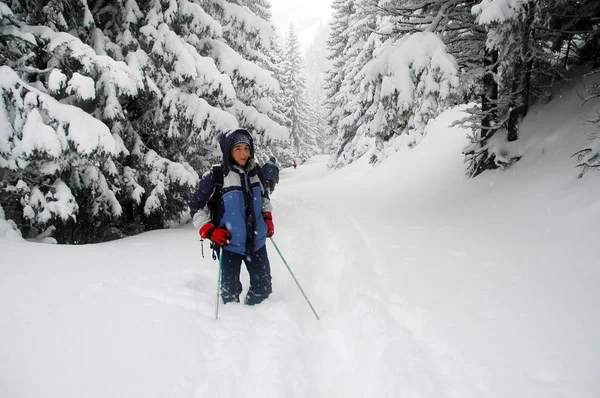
(397, 64)
(303, 130)
(112, 109)
(395, 76)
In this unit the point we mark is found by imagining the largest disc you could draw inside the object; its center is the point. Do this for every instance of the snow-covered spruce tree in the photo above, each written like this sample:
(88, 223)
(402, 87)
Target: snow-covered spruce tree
(275, 106)
(179, 117)
(255, 72)
(335, 96)
(59, 164)
(509, 46)
(207, 61)
(302, 133)
(166, 83)
(354, 135)
(410, 79)
(315, 65)
(523, 39)
(244, 54)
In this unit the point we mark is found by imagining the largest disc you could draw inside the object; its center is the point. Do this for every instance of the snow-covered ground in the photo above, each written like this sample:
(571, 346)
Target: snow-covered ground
(427, 283)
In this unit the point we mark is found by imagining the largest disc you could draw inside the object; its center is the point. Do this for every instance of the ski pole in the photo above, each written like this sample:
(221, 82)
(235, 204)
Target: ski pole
(218, 289)
(293, 276)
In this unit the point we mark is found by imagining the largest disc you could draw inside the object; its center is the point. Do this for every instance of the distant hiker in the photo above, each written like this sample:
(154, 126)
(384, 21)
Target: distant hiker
(242, 220)
(294, 163)
(271, 173)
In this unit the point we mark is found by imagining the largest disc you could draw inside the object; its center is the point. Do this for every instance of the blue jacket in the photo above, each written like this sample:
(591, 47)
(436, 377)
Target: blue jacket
(244, 200)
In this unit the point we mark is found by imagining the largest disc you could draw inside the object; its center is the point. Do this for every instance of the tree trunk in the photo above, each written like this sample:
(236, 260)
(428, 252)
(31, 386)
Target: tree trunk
(519, 101)
(489, 97)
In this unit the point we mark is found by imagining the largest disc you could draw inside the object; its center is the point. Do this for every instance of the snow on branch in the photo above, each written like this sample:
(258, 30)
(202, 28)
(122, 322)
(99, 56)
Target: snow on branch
(248, 117)
(125, 80)
(44, 124)
(243, 17)
(5, 11)
(235, 65)
(401, 63)
(8, 228)
(497, 11)
(196, 110)
(186, 63)
(163, 174)
(200, 22)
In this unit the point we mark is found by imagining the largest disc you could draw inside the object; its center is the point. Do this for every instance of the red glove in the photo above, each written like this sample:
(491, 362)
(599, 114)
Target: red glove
(269, 221)
(220, 236)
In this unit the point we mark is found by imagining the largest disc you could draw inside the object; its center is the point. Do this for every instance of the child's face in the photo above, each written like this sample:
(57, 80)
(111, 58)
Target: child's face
(241, 153)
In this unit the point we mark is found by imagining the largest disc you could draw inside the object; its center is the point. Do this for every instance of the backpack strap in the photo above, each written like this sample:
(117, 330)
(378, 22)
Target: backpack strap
(218, 193)
(217, 171)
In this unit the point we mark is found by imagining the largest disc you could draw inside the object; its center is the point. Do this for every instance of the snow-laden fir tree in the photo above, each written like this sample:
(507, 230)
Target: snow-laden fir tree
(528, 45)
(157, 81)
(335, 99)
(303, 133)
(407, 78)
(59, 166)
(243, 54)
(354, 133)
(276, 105)
(314, 73)
(508, 59)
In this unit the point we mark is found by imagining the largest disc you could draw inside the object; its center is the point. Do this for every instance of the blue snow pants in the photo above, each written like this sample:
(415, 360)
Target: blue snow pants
(259, 270)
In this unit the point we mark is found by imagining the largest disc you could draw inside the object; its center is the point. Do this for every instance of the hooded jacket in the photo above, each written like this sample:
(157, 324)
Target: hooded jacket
(243, 200)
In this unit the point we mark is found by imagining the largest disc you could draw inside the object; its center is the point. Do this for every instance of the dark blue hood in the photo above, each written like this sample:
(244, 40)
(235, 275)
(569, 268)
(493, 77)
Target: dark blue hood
(226, 143)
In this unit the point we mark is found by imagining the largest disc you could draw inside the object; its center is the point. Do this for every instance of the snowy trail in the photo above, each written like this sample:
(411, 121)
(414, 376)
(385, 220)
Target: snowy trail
(366, 326)
(148, 326)
(413, 302)
(458, 311)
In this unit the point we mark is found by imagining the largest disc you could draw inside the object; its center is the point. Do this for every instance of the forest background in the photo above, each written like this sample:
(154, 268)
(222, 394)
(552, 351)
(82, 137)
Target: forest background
(110, 111)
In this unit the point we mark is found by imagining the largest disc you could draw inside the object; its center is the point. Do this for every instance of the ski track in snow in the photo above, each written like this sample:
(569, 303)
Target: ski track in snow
(364, 328)
(373, 336)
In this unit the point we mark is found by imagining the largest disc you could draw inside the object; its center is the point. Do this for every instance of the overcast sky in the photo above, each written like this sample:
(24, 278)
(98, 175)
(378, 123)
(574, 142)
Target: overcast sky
(304, 14)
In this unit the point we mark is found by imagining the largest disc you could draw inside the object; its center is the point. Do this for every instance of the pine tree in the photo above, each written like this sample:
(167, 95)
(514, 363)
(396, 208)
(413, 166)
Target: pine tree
(248, 40)
(275, 106)
(59, 162)
(520, 65)
(358, 97)
(163, 79)
(396, 75)
(335, 98)
(303, 137)
(314, 75)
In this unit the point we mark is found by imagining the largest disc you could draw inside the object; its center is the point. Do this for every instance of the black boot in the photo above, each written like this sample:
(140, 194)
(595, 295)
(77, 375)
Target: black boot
(230, 299)
(253, 299)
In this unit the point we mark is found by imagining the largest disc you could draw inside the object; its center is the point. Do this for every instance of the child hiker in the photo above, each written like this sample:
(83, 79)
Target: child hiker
(242, 220)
